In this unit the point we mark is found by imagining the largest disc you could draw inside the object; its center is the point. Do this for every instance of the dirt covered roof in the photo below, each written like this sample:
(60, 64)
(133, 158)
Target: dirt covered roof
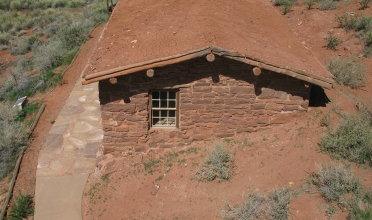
(148, 30)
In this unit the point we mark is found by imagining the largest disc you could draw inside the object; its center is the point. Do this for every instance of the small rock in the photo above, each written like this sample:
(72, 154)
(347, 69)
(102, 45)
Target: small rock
(346, 47)
(133, 41)
(331, 31)
(155, 189)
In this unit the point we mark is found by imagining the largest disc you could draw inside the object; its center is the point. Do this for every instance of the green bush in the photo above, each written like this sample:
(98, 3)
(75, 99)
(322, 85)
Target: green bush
(5, 4)
(4, 38)
(20, 46)
(334, 181)
(258, 206)
(348, 72)
(279, 201)
(218, 165)
(283, 2)
(12, 139)
(332, 42)
(49, 55)
(327, 5)
(364, 4)
(310, 4)
(73, 36)
(22, 207)
(352, 140)
(254, 207)
(287, 7)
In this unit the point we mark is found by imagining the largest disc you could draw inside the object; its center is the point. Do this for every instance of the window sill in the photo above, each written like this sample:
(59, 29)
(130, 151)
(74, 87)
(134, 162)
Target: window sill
(164, 128)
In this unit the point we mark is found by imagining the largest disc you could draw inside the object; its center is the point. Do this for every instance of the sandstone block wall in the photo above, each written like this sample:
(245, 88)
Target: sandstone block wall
(218, 99)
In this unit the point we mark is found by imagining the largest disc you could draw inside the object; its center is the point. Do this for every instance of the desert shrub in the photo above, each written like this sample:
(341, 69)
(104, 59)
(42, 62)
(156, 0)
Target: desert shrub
(73, 36)
(60, 3)
(12, 139)
(23, 207)
(218, 165)
(348, 72)
(23, 64)
(5, 4)
(48, 55)
(327, 5)
(368, 39)
(332, 42)
(258, 206)
(310, 4)
(361, 206)
(253, 207)
(279, 201)
(334, 181)
(76, 3)
(21, 45)
(283, 2)
(4, 38)
(6, 26)
(287, 7)
(364, 4)
(352, 140)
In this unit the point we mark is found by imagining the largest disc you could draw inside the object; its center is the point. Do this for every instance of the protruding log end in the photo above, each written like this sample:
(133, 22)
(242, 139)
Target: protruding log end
(113, 80)
(210, 57)
(256, 71)
(150, 72)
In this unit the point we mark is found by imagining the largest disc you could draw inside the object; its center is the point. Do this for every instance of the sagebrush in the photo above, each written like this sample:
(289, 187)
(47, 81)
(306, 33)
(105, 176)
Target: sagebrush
(352, 140)
(349, 72)
(219, 165)
(13, 136)
(258, 206)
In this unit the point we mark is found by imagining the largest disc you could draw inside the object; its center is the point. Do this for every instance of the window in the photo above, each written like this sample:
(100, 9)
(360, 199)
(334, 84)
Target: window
(164, 109)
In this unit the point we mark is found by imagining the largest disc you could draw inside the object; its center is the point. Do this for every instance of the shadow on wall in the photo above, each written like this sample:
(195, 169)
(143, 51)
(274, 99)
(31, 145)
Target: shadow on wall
(181, 74)
(318, 97)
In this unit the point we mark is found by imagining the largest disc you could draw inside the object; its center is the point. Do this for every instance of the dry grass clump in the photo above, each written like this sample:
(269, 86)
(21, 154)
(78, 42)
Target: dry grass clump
(13, 137)
(339, 186)
(327, 4)
(218, 165)
(352, 140)
(258, 206)
(349, 72)
(23, 207)
(335, 180)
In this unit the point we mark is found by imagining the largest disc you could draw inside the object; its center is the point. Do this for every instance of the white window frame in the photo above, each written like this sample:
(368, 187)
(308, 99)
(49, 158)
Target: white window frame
(164, 111)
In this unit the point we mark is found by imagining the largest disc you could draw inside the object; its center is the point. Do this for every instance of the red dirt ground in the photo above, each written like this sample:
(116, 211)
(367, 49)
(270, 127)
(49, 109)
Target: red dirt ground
(267, 159)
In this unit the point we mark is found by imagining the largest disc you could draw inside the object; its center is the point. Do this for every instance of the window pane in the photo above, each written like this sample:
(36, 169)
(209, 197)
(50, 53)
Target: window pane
(172, 104)
(171, 121)
(155, 121)
(155, 95)
(164, 113)
(155, 113)
(172, 95)
(163, 95)
(172, 113)
(163, 121)
(155, 104)
(163, 104)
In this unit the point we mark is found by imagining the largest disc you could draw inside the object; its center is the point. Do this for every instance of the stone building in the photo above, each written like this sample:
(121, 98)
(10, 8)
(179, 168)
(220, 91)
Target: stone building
(162, 83)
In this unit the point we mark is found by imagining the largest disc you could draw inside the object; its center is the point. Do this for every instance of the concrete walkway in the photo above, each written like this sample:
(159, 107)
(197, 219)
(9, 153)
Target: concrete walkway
(68, 155)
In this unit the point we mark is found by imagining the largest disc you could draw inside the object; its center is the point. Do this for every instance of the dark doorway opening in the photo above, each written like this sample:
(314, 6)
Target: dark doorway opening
(318, 98)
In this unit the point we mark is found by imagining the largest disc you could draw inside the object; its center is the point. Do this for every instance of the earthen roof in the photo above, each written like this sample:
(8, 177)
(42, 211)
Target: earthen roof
(143, 32)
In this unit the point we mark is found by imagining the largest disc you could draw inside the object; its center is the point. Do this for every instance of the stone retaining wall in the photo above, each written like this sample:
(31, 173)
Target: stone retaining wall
(218, 99)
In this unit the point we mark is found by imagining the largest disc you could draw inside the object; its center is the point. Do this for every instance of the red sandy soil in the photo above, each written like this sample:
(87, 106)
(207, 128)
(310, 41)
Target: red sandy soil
(264, 160)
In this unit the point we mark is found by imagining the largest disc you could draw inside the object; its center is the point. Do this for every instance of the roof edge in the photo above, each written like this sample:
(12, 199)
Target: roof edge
(124, 70)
